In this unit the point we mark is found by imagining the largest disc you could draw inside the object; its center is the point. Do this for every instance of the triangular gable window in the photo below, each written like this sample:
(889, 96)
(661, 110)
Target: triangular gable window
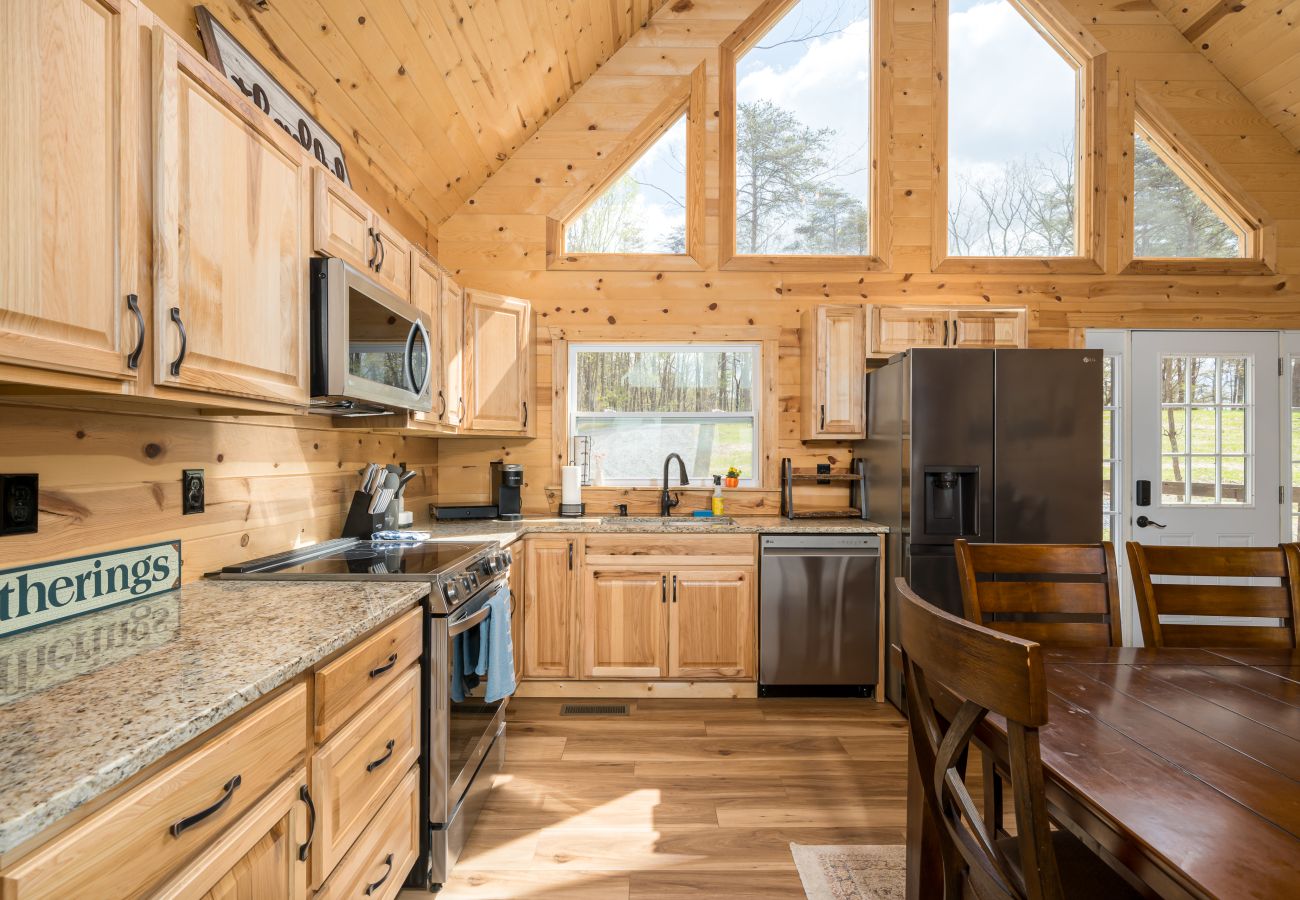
(643, 210)
(1173, 217)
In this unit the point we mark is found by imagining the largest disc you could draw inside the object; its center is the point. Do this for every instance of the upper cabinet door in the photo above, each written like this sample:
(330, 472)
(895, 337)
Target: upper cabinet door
(895, 329)
(833, 351)
(230, 249)
(453, 351)
(498, 369)
(392, 266)
(67, 239)
(340, 222)
(426, 295)
(989, 328)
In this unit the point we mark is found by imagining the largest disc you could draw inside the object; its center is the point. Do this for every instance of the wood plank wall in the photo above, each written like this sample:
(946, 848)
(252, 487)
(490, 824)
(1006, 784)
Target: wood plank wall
(497, 240)
(113, 479)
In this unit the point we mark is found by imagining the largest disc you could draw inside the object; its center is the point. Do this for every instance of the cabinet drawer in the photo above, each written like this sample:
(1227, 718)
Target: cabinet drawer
(669, 550)
(378, 862)
(346, 685)
(130, 845)
(358, 768)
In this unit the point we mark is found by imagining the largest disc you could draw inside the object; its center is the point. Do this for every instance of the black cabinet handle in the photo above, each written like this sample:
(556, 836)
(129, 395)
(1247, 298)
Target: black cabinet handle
(570, 556)
(133, 358)
(945, 332)
(383, 253)
(380, 670)
(374, 248)
(460, 410)
(674, 588)
(822, 427)
(305, 796)
(663, 589)
(525, 425)
(371, 888)
(180, 357)
(188, 822)
(443, 411)
(376, 763)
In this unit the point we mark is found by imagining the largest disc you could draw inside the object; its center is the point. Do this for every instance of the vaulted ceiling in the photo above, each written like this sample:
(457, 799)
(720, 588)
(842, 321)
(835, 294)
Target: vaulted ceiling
(1255, 44)
(427, 97)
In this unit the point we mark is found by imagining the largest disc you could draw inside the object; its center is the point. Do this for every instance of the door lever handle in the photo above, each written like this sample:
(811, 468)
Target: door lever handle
(1143, 522)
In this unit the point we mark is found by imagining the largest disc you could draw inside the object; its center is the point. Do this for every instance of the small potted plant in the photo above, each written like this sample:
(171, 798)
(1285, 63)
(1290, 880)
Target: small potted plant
(733, 477)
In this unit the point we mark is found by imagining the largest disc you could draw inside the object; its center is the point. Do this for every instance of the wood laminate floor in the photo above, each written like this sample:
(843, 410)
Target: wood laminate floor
(683, 798)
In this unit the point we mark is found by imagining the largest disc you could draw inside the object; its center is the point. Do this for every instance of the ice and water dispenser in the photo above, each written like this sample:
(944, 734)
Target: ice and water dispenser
(951, 501)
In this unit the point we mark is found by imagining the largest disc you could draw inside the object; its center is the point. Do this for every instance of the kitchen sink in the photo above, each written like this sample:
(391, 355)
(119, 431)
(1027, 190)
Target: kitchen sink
(669, 521)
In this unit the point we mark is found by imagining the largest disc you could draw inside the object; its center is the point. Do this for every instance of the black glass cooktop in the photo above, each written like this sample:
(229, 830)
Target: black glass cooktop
(365, 558)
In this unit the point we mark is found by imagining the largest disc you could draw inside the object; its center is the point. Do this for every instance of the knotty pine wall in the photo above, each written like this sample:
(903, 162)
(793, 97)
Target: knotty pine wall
(113, 479)
(497, 240)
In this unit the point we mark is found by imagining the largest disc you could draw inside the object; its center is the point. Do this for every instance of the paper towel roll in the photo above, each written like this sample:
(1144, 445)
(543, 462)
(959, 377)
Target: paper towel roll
(571, 485)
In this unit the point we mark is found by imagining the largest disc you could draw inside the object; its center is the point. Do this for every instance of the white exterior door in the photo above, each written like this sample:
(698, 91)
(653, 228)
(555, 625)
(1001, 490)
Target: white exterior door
(1205, 433)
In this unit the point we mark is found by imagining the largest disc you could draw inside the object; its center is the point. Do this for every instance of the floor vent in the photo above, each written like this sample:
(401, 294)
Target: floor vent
(594, 709)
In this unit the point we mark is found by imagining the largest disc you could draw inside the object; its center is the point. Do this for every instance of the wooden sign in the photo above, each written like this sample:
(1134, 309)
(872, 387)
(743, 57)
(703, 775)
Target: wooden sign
(32, 596)
(247, 74)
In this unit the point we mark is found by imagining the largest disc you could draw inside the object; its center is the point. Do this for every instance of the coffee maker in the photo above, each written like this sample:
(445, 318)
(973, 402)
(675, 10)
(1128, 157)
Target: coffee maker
(507, 490)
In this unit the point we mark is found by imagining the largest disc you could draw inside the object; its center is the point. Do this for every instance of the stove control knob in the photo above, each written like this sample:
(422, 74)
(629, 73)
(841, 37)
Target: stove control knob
(509, 558)
(449, 591)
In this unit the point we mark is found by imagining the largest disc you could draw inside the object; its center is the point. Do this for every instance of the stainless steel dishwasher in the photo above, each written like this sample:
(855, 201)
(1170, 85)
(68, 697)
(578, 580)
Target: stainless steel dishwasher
(819, 614)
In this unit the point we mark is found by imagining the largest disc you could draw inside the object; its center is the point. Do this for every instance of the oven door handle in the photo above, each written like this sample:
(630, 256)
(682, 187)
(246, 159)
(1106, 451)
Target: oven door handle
(465, 624)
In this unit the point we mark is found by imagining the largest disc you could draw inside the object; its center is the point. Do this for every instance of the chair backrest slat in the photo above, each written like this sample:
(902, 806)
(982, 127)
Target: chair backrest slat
(957, 673)
(1061, 595)
(1277, 605)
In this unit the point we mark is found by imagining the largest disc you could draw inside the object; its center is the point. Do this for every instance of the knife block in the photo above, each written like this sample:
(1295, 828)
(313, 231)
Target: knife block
(363, 524)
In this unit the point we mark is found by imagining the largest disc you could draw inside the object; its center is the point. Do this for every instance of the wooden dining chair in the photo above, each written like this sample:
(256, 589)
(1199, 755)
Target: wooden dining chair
(978, 671)
(1197, 600)
(1060, 595)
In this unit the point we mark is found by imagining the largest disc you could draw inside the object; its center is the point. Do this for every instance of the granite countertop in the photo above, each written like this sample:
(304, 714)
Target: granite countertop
(506, 532)
(87, 703)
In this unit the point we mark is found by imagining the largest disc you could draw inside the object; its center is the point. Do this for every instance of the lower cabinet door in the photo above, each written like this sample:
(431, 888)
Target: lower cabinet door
(382, 857)
(260, 857)
(712, 624)
(551, 621)
(626, 623)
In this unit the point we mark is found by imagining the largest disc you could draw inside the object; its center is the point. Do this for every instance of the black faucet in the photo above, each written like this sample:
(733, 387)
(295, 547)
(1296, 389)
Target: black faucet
(667, 501)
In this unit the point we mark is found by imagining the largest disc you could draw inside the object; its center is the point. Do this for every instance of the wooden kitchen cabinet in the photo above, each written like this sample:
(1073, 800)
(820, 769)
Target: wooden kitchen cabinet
(895, 329)
(70, 153)
(517, 567)
(713, 625)
(426, 296)
(625, 623)
(345, 227)
(230, 243)
(833, 351)
(551, 613)
(498, 368)
(452, 309)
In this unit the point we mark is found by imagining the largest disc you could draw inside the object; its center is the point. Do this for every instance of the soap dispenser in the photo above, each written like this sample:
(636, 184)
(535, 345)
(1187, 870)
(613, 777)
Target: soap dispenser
(717, 495)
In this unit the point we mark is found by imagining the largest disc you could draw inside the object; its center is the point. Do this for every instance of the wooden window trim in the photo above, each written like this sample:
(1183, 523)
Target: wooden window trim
(881, 123)
(687, 96)
(769, 410)
(1201, 172)
(1059, 28)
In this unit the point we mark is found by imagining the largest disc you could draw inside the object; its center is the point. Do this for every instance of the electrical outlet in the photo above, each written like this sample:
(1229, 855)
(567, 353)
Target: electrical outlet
(191, 491)
(18, 503)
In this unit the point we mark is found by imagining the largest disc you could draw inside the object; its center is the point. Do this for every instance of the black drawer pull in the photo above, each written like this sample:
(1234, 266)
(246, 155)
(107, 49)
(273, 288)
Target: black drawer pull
(392, 661)
(305, 795)
(371, 888)
(180, 357)
(443, 410)
(374, 248)
(375, 764)
(525, 425)
(133, 358)
(189, 821)
(383, 253)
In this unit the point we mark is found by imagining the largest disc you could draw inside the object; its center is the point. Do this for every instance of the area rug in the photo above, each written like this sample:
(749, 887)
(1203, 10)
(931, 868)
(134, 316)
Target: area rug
(852, 871)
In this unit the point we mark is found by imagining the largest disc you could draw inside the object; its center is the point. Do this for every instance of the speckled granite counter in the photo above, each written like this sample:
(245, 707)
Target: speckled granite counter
(505, 532)
(85, 704)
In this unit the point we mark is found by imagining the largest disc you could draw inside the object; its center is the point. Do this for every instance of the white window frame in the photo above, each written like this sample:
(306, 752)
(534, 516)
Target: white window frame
(749, 478)
(1114, 345)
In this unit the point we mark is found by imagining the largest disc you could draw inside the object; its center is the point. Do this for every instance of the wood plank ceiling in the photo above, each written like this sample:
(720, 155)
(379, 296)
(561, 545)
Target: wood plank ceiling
(427, 97)
(1255, 44)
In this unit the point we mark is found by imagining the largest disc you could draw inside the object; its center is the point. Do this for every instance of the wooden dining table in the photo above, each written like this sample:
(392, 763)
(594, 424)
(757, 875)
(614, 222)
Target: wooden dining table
(1183, 765)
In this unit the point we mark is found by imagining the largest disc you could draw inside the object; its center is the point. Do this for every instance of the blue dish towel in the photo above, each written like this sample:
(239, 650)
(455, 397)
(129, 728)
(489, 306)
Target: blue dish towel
(465, 648)
(496, 652)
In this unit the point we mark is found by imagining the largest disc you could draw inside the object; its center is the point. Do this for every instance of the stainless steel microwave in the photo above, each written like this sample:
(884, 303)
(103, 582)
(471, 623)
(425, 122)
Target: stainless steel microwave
(370, 351)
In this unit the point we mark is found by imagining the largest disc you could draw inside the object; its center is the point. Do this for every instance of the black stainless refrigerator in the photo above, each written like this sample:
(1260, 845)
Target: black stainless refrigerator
(996, 446)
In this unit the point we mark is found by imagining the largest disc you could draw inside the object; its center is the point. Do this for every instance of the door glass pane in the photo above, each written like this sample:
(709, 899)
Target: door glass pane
(1110, 448)
(1204, 430)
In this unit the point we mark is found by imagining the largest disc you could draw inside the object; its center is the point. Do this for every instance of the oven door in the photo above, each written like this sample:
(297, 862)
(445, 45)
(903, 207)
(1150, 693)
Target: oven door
(369, 348)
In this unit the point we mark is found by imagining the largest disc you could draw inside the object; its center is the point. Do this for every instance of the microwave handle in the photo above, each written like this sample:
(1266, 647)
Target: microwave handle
(418, 332)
